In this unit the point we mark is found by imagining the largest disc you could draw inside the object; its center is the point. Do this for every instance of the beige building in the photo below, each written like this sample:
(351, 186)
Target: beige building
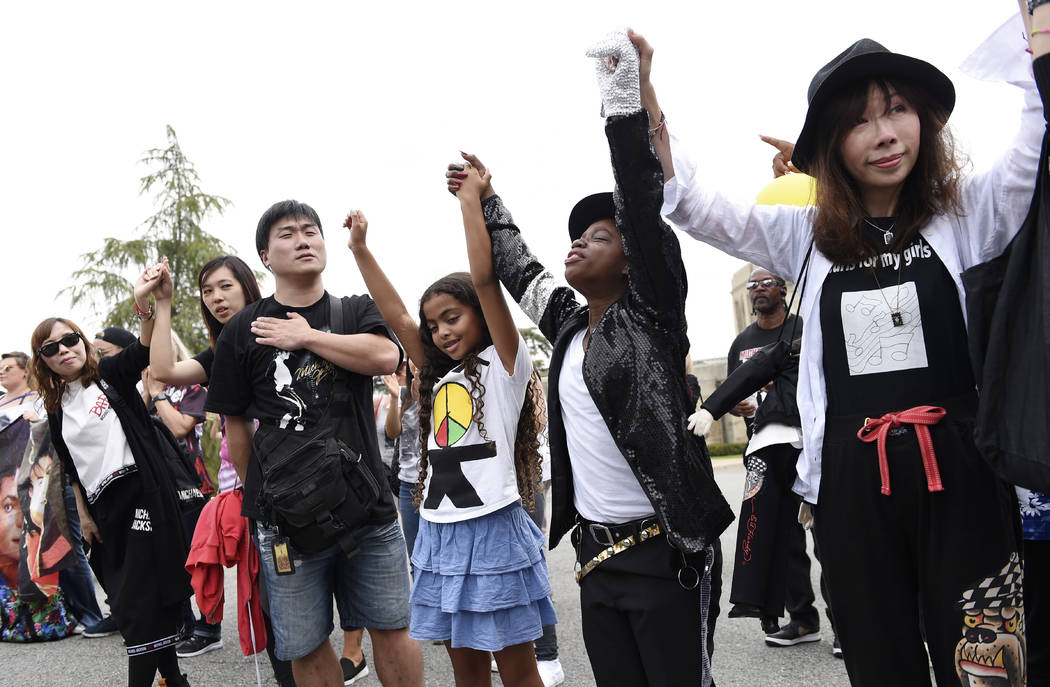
(711, 372)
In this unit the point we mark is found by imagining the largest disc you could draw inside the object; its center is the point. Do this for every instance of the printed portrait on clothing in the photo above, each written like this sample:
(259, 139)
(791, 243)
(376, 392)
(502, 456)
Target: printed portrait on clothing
(992, 648)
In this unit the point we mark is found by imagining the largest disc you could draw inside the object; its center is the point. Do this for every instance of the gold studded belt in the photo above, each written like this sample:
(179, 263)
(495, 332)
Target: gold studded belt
(642, 531)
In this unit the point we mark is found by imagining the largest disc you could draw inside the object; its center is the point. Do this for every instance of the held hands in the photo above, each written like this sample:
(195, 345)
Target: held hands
(782, 160)
(456, 175)
(645, 56)
(617, 66)
(744, 409)
(151, 384)
(155, 279)
(288, 335)
(358, 226)
(700, 422)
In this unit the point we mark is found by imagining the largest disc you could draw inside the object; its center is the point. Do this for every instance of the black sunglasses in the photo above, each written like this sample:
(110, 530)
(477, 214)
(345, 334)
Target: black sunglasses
(765, 283)
(49, 349)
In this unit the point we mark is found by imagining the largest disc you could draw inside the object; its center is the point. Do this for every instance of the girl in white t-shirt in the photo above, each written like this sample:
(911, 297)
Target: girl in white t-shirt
(481, 581)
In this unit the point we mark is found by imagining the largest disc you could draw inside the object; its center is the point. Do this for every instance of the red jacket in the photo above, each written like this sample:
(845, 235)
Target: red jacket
(222, 540)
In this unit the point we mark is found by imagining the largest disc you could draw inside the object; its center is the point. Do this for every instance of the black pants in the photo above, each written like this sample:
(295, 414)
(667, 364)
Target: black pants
(954, 553)
(771, 568)
(640, 626)
(125, 564)
(1037, 611)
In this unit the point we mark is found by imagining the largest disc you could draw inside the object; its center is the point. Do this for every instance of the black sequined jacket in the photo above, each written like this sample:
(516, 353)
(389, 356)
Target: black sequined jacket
(634, 366)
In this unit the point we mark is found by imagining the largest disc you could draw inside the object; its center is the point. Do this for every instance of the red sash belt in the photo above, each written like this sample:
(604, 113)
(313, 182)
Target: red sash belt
(920, 417)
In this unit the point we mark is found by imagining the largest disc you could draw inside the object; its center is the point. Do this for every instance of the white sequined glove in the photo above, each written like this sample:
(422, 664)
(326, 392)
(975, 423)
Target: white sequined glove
(616, 65)
(700, 422)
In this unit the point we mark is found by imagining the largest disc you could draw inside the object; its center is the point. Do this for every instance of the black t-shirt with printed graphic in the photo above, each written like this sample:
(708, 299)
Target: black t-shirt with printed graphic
(754, 338)
(871, 365)
(291, 389)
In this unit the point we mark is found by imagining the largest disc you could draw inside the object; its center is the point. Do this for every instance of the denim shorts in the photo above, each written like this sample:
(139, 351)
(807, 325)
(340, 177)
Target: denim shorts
(371, 588)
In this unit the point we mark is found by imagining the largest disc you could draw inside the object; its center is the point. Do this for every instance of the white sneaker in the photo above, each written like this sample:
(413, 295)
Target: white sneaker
(551, 672)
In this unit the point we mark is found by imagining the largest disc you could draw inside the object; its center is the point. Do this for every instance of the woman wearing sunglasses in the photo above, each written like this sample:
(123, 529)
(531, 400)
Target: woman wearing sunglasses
(101, 430)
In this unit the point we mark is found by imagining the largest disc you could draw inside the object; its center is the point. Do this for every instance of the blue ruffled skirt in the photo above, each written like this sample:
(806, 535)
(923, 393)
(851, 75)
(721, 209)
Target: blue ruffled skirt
(481, 583)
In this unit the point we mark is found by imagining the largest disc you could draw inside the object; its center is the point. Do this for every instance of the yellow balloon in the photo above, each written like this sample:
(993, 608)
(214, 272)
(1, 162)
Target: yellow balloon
(790, 189)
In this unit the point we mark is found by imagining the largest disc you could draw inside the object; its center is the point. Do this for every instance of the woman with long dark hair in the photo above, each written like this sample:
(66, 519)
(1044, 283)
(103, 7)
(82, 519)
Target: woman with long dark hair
(102, 431)
(915, 529)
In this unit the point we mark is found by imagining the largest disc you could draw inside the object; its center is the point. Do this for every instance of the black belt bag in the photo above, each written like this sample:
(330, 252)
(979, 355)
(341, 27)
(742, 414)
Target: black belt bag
(316, 490)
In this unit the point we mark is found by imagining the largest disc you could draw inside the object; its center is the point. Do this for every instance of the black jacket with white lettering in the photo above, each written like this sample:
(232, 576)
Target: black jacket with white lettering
(122, 372)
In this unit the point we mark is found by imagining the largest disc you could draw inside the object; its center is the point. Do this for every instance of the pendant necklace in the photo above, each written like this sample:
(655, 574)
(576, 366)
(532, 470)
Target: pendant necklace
(895, 311)
(887, 234)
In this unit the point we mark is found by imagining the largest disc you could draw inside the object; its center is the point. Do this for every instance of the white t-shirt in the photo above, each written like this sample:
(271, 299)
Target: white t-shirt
(13, 411)
(467, 475)
(604, 486)
(95, 438)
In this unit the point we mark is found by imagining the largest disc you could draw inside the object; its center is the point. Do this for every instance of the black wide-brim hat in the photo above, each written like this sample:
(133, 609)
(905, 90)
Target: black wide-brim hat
(863, 61)
(594, 207)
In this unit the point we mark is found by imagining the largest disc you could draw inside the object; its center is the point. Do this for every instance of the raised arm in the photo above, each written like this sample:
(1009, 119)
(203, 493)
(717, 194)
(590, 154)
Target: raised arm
(382, 290)
(149, 282)
(546, 301)
(505, 336)
(658, 135)
(656, 274)
(161, 357)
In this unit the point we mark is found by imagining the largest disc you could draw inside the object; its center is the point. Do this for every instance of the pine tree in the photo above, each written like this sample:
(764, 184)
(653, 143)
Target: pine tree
(174, 231)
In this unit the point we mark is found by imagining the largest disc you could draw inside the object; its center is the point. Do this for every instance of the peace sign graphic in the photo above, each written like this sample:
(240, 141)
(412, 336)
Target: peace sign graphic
(453, 411)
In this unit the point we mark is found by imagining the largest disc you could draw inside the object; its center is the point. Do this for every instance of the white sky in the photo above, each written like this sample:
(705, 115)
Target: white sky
(361, 105)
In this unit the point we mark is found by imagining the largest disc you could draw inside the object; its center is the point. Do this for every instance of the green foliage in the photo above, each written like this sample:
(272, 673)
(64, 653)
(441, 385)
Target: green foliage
(539, 348)
(174, 231)
(726, 449)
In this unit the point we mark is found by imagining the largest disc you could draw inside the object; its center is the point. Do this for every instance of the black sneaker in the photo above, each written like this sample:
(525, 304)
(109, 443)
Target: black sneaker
(102, 628)
(792, 634)
(351, 672)
(197, 645)
(836, 649)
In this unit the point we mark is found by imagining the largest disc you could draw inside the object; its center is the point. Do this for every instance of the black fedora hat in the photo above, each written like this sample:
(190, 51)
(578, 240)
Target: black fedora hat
(865, 60)
(594, 207)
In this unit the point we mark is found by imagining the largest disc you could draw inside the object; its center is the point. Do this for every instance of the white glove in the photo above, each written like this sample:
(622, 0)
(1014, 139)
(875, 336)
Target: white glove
(616, 66)
(805, 515)
(700, 422)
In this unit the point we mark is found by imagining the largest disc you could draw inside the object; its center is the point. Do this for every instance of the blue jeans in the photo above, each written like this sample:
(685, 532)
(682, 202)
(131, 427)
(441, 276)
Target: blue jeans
(76, 582)
(409, 515)
(371, 589)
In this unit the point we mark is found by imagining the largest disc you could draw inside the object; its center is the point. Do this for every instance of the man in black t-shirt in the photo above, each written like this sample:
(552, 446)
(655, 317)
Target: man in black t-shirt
(275, 362)
(767, 292)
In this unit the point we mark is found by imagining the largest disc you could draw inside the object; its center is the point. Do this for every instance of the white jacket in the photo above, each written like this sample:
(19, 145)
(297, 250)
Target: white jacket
(994, 204)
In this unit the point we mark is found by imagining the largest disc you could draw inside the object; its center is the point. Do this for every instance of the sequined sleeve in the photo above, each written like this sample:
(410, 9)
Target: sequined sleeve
(547, 301)
(656, 273)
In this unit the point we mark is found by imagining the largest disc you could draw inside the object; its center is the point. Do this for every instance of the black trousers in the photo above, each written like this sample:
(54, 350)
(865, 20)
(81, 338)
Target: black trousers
(640, 626)
(771, 568)
(950, 555)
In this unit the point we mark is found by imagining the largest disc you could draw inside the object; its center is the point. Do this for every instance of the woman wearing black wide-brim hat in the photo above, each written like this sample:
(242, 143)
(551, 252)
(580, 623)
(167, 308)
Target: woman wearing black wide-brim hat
(915, 529)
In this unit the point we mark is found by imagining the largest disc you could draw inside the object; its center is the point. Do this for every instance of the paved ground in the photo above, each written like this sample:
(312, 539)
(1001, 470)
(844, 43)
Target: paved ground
(741, 657)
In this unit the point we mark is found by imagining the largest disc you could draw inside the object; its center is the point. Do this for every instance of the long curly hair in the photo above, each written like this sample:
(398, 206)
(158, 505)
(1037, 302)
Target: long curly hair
(436, 364)
(48, 384)
(932, 187)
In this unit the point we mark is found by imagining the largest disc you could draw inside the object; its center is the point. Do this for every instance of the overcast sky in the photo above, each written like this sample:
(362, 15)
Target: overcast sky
(361, 105)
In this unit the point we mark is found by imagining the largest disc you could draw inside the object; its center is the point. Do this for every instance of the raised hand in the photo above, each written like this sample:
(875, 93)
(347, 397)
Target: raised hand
(645, 56)
(617, 67)
(782, 160)
(457, 172)
(474, 183)
(149, 281)
(392, 385)
(358, 226)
